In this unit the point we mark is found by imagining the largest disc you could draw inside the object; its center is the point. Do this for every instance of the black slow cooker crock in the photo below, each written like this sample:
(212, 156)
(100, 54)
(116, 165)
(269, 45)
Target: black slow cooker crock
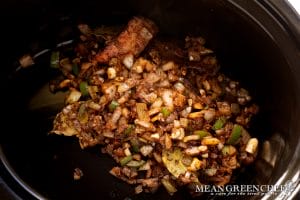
(257, 42)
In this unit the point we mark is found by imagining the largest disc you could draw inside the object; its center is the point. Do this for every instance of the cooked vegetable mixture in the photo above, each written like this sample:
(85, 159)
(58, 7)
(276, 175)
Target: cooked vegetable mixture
(158, 106)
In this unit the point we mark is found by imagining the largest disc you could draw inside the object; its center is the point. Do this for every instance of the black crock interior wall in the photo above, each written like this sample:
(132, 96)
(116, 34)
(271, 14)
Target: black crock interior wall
(245, 51)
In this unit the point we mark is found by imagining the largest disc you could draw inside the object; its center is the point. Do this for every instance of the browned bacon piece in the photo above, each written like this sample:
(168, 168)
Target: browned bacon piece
(132, 40)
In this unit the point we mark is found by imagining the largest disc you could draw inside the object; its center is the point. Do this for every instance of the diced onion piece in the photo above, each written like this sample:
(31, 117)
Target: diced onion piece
(142, 112)
(184, 122)
(128, 61)
(191, 137)
(203, 148)
(144, 124)
(195, 115)
(65, 83)
(150, 97)
(157, 157)
(190, 102)
(123, 87)
(179, 87)
(116, 115)
(195, 165)
(210, 141)
(192, 151)
(176, 124)
(155, 136)
(205, 155)
(152, 78)
(167, 96)
(146, 150)
(109, 89)
(138, 69)
(93, 91)
(168, 141)
(198, 106)
(111, 73)
(157, 117)
(135, 163)
(209, 115)
(138, 189)
(177, 133)
(186, 111)
(125, 112)
(146, 166)
(220, 146)
(139, 65)
(108, 134)
(169, 187)
(94, 105)
(157, 103)
(251, 146)
(66, 131)
(206, 85)
(168, 66)
(211, 171)
(73, 96)
(154, 111)
(179, 100)
(224, 108)
(127, 152)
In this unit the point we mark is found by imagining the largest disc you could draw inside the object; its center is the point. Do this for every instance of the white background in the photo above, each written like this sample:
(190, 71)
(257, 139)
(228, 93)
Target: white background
(296, 4)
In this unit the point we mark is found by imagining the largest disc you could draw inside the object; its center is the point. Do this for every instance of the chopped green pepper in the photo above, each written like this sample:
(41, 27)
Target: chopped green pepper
(75, 69)
(201, 133)
(135, 145)
(113, 105)
(129, 129)
(165, 111)
(235, 134)
(135, 163)
(54, 60)
(84, 88)
(219, 123)
(125, 160)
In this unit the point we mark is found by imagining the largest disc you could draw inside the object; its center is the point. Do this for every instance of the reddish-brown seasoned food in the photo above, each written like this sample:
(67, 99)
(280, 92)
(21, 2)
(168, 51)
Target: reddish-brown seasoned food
(164, 113)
